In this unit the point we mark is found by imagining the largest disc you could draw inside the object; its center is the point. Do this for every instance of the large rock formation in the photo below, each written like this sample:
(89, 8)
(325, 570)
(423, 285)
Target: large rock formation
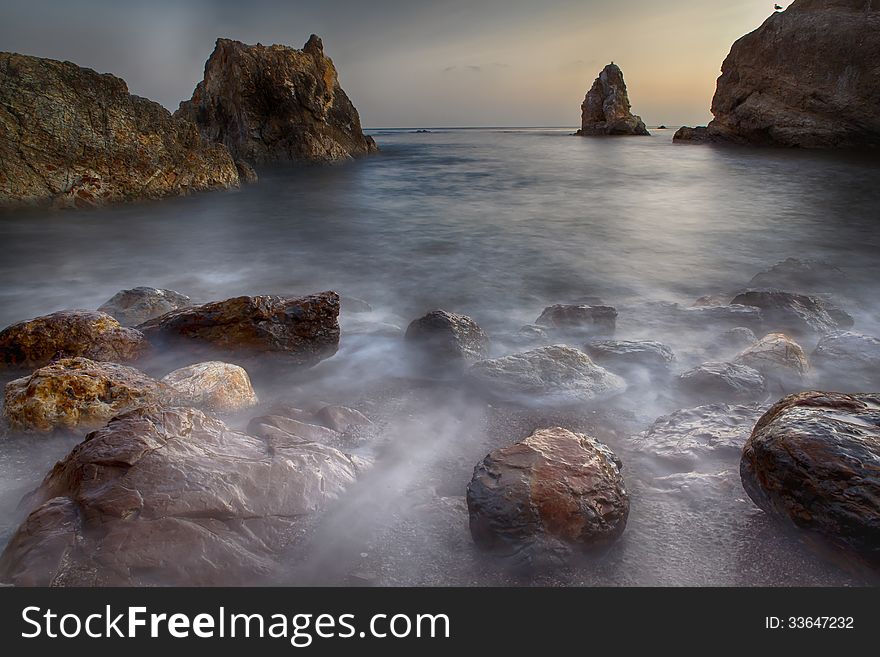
(814, 461)
(808, 77)
(170, 497)
(606, 109)
(71, 137)
(276, 104)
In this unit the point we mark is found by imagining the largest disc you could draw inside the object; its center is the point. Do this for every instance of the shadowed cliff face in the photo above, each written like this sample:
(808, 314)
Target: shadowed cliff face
(606, 109)
(808, 77)
(70, 137)
(276, 104)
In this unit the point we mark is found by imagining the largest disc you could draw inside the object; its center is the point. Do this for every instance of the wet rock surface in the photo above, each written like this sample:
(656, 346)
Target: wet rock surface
(448, 340)
(212, 386)
(74, 138)
(553, 490)
(628, 354)
(814, 461)
(302, 330)
(172, 497)
(556, 375)
(68, 333)
(720, 381)
(800, 275)
(141, 304)
(606, 108)
(276, 104)
(780, 359)
(77, 394)
(799, 315)
(580, 318)
(849, 360)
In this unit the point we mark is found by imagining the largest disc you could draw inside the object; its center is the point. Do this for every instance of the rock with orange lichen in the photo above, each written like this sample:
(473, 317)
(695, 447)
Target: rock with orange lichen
(550, 492)
(68, 333)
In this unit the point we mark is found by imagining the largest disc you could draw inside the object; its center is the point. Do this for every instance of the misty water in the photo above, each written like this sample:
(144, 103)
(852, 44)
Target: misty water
(495, 224)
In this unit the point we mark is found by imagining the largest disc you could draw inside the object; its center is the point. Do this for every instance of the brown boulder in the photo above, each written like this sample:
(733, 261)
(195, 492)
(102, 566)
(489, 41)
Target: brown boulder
(447, 339)
(778, 358)
(212, 386)
(71, 137)
(170, 497)
(68, 333)
(606, 109)
(303, 330)
(141, 304)
(555, 489)
(276, 104)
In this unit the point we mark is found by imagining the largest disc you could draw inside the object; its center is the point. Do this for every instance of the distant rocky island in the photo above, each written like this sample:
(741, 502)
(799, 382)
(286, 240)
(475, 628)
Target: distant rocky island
(606, 109)
(808, 78)
(73, 138)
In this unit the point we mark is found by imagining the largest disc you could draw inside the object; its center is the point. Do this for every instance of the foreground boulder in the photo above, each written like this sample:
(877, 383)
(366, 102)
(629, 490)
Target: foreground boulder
(799, 315)
(71, 137)
(851, 361)
(554, 490)
(779, 358)
(303, 330)
(448, 339)
(591, 320)
(606, 109)
(814, 460)
(69, 333)
(719, 381)
(170, 497)
(141, 304)
(276, 104)
(806, 78)
(212, 386)
(77, 393)
(556, 374)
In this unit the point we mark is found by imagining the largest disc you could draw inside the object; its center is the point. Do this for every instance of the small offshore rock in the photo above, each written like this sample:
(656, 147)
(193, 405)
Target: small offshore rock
(448, 339)
(799, 315)
(606, 108)
(850, 360)
(212, 386)
(720, 381)
(140, 304)
(626, 354)
(69, 333)
(593, 320)
(778, 358)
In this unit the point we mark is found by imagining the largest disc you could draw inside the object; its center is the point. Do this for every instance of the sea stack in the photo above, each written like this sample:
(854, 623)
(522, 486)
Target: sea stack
(807, 78)
(606, 109)
(74, 138)
(272, 104)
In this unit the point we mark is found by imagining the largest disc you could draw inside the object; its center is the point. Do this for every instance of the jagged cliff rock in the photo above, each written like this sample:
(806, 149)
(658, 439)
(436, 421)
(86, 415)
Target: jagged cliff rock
(71, 137)
(276, 104)
(606, 109)
(808, 77)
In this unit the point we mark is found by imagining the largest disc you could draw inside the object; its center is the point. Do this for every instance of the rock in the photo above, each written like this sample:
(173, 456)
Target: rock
(68, 333)
(687, 135)
(850, 360)
(797, 314)
(531, 333)
(806, 78)
(554, 490)
(737, 338)
(594, 320)
(727, 382)
(73, 138)
(629, 354)
(246, 172)
(212, 386)
(779, 358)
(265, 426)
(170, 497)
(814, 460)
(340, 418)
(77, 393)
(711, 300)
(694, 438)
(556, 374)
(304, 330)
(276, 104)
(800, 276)
(141, 304)
(606, 109)
(732, 315)
(448, 339)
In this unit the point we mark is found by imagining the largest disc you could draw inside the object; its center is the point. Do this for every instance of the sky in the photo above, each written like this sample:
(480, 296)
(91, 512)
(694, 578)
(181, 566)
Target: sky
(415, 63)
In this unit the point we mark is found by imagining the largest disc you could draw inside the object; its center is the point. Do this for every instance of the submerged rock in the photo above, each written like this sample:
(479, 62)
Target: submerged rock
(140, 304)
(628, 354)
(606, 108)
(77, 393)
(800, 276)
(554, 490)
(726, 382)
(277, 427)
(814, 460)
(447, 339)
(736, 339)
(74, 138)
(733, 315)
(341, 418)
(170, 497)
(799, 315)
(276, 104)
(304, 330)
(850, 360)
(556, 374)
(212, 386)
(592, 320)
(778, 358)
(69, 333)
(806, 78)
